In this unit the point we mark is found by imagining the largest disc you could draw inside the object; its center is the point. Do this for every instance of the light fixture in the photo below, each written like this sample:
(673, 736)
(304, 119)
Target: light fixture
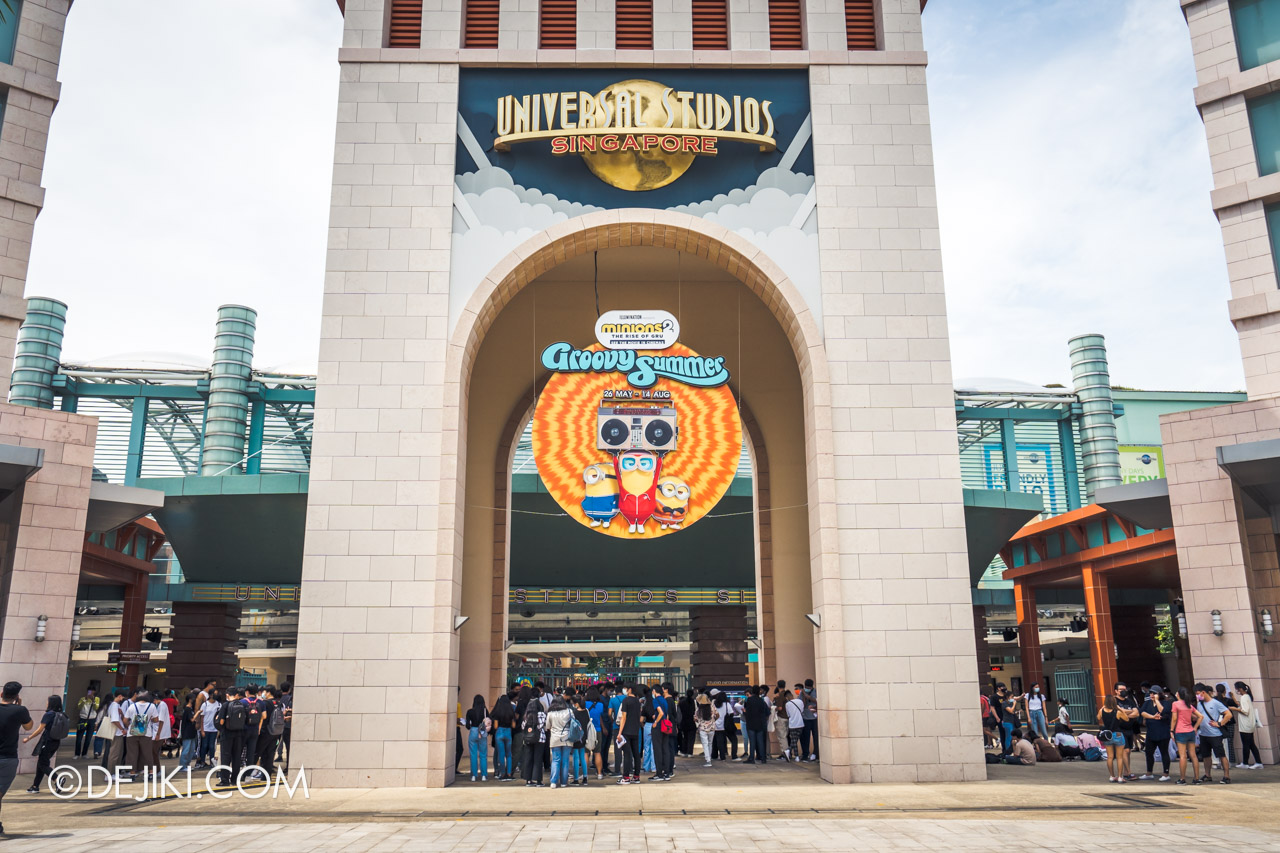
(42, 625)
(459, 621)
(815, 618)
(1182, 625)
(75, 631)
(508, 643)
(1267, 628)
(1217, 622)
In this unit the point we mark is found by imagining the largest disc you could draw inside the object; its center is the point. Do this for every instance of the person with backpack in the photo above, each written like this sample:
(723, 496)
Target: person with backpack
(1214, 718)
(559, 720)
(233, 724)
(658, 733)
(533, 729)
(255, 703)
(578, 756)
(54, 726)
(272, 729)
(142, 722)
(595, 705)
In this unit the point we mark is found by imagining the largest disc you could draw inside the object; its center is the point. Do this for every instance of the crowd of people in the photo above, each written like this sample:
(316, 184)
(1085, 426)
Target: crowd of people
(623, 730)
(1197, 726)
(130, 729)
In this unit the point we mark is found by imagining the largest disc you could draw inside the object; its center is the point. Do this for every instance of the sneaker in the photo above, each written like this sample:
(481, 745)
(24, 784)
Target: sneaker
(528, 784)
(599, 777)
(1226, 780)
(655, 777)
(708, 764)
(1146, 776)
(625, 780)
(473, 778)
(1255, 766)
(553, 786)
(484, 778)
(1129, 777)
(1164, 778)
(1242, 765)
(813, 757)
(1122, 780)
(33, 790)
(1182, 781)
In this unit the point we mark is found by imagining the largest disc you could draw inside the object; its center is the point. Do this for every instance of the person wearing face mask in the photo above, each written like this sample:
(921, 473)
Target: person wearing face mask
(1033, 704)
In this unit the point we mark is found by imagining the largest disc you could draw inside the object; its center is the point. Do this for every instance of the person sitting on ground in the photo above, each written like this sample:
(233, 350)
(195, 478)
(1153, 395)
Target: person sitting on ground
(1068, 745)
(1046, 751)
(1022, 752)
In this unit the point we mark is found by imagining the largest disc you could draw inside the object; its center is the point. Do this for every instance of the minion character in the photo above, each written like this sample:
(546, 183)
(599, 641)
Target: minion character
(673, 501)
(638, 472)
(601, 501)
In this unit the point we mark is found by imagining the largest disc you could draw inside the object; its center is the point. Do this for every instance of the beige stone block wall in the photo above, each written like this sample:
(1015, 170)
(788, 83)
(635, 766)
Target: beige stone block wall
(33, 92)
(1240, 194)
(1226, 562)
(377, 631)
(45, 569)
(365, 23)
(749, 24)
(903, 632)
(673, 25)
(597, 24)
(517, 25)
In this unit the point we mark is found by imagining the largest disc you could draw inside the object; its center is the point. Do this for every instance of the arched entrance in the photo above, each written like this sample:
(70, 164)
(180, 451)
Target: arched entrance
(730, 294)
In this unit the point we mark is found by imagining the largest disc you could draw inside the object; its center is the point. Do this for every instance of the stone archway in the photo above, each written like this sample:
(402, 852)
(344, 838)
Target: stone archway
(611, 230)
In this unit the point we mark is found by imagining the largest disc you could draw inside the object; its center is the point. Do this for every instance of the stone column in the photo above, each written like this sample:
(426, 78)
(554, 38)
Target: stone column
(204, 642)
(1024, 598)
(983, 646)
(895, 603)
(377, 649)
(131, 623)
(718, 645)
(41, 570)
(1102, 645)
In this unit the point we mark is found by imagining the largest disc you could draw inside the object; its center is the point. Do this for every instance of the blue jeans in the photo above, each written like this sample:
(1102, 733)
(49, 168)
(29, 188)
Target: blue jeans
(646, 763)
(98, 743)
(559, 765)
(1039, 725)
(208, 742)
(479, 745)
(188, 752)
(579, 768)
(502, 752)
(1008, 734)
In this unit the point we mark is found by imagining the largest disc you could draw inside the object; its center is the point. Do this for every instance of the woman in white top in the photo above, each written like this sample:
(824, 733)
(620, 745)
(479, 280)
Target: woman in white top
(208, 730)
(1247, 725)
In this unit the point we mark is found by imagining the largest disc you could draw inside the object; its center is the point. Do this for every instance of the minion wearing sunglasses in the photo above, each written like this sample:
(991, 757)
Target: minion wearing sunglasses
(601, 501)
(638, 472)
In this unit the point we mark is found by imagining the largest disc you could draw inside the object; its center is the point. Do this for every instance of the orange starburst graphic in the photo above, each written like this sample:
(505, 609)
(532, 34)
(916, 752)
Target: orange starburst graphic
(705, 460)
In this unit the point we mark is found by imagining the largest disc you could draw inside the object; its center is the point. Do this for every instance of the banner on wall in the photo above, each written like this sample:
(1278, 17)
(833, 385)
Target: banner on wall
(636, 443)
(1141, 462)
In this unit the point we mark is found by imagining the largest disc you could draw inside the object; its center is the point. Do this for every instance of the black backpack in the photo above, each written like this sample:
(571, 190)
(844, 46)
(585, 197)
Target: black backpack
(235, 717)
(255, 715)
(59, 727)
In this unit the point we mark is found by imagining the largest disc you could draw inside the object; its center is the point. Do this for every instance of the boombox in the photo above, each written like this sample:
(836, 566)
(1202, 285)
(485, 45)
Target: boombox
(620, 428)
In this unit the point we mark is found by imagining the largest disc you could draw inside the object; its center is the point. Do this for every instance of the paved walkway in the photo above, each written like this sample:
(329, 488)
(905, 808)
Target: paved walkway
(665, 835)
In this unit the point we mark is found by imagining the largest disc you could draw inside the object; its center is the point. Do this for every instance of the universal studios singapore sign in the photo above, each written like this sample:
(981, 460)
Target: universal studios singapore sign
(635, 134)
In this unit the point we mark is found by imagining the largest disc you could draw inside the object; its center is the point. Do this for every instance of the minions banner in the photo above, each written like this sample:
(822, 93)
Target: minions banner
(636, 443)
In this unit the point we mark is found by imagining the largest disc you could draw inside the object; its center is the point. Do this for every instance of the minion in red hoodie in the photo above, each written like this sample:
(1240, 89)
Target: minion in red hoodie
(638, 472)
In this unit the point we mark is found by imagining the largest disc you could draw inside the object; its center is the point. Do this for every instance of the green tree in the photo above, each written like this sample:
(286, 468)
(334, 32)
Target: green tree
(1164, 635)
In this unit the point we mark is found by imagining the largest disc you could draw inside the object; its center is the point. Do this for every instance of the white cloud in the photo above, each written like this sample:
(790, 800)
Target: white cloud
(1073, 191)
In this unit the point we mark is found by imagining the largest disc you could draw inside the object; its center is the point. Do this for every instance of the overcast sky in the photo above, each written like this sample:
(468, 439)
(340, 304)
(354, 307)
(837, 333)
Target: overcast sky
(189, 165)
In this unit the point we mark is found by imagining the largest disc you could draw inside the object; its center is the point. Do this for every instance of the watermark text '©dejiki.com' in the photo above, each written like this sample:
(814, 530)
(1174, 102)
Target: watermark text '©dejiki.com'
(67, 782)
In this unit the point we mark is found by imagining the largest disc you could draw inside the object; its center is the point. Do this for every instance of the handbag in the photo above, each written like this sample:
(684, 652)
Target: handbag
(667, 727)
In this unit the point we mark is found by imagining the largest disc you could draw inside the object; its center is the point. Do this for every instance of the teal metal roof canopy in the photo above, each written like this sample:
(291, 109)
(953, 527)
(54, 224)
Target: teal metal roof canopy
(991, 516)
(235, 529)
